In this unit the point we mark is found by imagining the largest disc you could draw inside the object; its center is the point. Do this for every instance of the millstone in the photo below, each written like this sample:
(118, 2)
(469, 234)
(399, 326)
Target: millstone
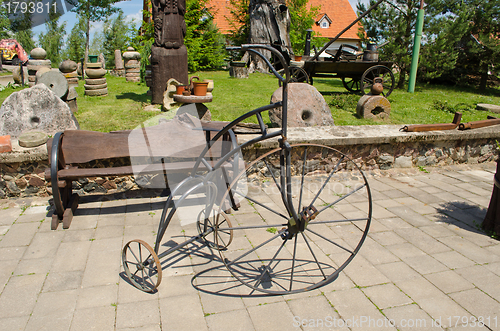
(373, 107)
(95, 87)
(55, 81)
(97, 65)
(45, 63)
(94, 93)
(132, 65)
(33, 139)
(40, 72)
(95, 73)
(95, 81)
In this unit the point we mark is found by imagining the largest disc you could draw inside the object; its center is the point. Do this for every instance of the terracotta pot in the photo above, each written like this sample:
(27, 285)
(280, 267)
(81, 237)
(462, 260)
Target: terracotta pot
(210, 84)
(200, 88)
(298, 57)
(180, 89)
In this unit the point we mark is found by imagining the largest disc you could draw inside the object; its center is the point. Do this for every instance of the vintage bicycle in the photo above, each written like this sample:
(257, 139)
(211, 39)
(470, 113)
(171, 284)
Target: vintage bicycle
(301, 211)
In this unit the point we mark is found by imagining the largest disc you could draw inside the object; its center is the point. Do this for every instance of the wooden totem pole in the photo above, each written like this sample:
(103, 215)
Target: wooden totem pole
(168, 53)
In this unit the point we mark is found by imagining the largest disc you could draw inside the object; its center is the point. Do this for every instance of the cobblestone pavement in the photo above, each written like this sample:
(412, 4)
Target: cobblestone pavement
(424, 266)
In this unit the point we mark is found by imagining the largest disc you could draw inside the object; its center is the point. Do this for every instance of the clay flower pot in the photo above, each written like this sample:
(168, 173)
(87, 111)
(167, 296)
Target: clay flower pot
(298, 57)
(200, 88)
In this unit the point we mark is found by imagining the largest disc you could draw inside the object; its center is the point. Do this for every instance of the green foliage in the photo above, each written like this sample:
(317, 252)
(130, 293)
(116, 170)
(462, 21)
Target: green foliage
(344, 101)
(302, 19)
(444, 105)
(75, 49)
(4, 22)
(204, 42)
(23, 33)
(96, 44)
(117, 35)
(52, 39)
(239, 21)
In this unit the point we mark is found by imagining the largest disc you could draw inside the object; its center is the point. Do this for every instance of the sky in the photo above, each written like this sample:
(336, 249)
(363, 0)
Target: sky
(133, 12)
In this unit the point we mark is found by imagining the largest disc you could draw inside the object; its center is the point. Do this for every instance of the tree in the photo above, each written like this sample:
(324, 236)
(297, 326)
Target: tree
(23, 33)
(203, 40)
(52, 39)
(302, 19)
(75, 49)
(92, 11)
(4, 22)
(117, 35)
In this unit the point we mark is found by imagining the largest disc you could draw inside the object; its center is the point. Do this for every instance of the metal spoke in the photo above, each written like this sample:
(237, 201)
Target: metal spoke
(334, 243)
(339, 221)
(131, 251)
(302, 180)
(272, 174)
(262, 205)
(315, 259)
(293, 262)
(270, 262)
(327, 180)
(342, 198)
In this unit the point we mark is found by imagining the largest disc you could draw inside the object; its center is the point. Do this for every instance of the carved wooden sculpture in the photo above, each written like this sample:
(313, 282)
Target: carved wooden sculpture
(168, 53)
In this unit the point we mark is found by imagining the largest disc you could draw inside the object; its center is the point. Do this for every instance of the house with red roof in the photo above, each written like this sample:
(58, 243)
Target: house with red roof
(335, 15)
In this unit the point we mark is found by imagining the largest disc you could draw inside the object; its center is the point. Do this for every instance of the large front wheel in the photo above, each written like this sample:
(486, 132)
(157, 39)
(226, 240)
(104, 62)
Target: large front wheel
(277, 254)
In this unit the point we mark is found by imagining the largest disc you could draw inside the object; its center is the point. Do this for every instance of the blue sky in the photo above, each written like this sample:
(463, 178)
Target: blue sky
(132, 10)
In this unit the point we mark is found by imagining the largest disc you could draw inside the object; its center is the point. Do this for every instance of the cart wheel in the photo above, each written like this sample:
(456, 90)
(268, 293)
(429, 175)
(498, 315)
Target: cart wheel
(297, 75)
(351, 84)
(275, 253)
(368, 78)
(223, 238)
(141, 265)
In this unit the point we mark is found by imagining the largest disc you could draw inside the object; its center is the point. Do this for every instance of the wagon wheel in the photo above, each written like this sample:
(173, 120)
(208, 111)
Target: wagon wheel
(368, 78)
(277, 257)
(141, 265)
(297, 75)
(212, 223)
(351, 84)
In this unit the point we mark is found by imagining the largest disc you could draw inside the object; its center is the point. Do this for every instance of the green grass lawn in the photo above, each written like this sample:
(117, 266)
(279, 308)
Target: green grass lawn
(123, 108)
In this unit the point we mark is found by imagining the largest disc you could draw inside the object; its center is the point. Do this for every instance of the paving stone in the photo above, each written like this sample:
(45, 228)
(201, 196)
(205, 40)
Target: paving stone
(230, 321)
(44, 244)
(386, 295)
(151, 327)
(386, 203)
(274, 316)
(377, 254)
(128, 293)
(62, 281)
(101, 318)
(479, 304)
(470, 250)
(363, 273)
(6, 271)
(377, 226)
(14, 323)
(422, 240)
(183, 313)
(137, 314)
(449, 281)
(8, 216)
(425, 264)
(410, 216)
(419, 288)
(19, 295)
(217, 304)
(54, 311)
(405, 250)
(12, 253)
(355, 306)
(312, 313)
(484, 279)
(493, 267)
(394, 194)
(395, 223)
(71, 256)
(71, 235)
(398, 271)
(98, 296)
(34, 266)
(387, 238)
(437, 231)
(19, 235)
(410, 317)
(453, 259)
(441, 308)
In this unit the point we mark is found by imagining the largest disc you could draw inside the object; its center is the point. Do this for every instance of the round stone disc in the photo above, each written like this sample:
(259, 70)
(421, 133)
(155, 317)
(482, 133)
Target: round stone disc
(33, 139)
(55, 81)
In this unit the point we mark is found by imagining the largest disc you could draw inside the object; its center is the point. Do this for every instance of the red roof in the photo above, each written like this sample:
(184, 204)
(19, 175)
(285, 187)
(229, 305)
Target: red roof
(339, 12)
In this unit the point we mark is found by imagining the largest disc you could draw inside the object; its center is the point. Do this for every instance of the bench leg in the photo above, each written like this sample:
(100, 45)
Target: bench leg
(68, 213)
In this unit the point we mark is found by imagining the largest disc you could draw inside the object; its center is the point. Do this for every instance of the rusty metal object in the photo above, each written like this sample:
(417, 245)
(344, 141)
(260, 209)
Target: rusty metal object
(377, 87)
(431, 127)
(479, 124)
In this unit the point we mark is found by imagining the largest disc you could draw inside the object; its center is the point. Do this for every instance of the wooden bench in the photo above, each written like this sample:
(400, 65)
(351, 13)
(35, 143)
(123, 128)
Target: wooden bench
(71, 151)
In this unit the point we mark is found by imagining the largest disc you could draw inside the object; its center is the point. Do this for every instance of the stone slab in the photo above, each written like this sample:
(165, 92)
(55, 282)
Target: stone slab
(488, 107)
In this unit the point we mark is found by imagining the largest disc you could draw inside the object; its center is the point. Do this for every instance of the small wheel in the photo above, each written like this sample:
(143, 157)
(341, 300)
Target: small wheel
(218, 239)
(297, 75)
(368, 79)
(351, 84)
(276, 254)
(142, 266)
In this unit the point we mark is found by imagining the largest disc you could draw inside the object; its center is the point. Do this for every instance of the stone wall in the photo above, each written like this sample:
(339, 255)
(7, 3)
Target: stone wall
(386, 150)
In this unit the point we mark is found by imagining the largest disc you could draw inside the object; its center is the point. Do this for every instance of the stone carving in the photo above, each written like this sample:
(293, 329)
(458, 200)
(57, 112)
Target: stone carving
(95, 84)
(69, 70)
(132, 65)
(55, 81)
(36, 62)
(35, 109)
(306, 107)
